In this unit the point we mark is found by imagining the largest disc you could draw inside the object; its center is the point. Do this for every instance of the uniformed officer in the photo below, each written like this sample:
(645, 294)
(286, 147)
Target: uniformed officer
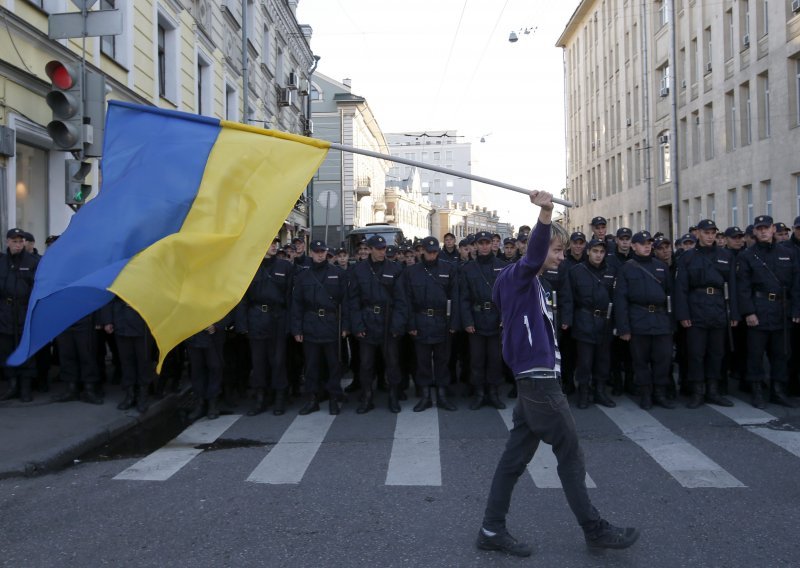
(263, 315)
(371, 297)
(769, 298)
(510, 250)
(77, 346)
(641, 304)
(481, 321)
(205, 366)
(586, 311)
(622, 252)
(705, 306)
(449, 251)
(135, 346)
(781, 232)
(426, 307)
(319, 317)
(17, 269)
(794, 359)
(600, 232)
(300, 258)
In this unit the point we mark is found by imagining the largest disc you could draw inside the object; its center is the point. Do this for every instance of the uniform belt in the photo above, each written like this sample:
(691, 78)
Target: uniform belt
(376, 309)
(595, 313)
(652, 308)
(430, 312)
(322, 312)
(269, 308)
(769, 296)
(9, 300)
(483, 306)
(710, 290)
(555, 375)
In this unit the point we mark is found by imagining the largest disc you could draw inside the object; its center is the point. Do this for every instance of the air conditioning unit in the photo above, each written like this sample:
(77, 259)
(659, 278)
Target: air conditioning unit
(593, 196)
(795, 6)
(285, 97)
(664, 91)
(293, 81)
(308, 126)
(683, 84)
(593, 145)
(697, 120)
(628, 122)
(708, 68)
(663, 139)
(746, 40)
(305, 88)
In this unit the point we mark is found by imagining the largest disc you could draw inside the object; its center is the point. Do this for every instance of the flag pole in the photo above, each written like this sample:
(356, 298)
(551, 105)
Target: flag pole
(354, 150)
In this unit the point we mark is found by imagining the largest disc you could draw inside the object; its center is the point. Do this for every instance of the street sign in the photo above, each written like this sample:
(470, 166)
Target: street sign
(84, 4)
(73, 24)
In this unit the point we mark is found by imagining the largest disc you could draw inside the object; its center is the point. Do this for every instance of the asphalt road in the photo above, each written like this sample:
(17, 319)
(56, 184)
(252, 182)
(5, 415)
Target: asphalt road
(379, 489)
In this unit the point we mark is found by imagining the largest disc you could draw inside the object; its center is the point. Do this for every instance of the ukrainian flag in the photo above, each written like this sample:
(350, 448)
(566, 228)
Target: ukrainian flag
(188, 207)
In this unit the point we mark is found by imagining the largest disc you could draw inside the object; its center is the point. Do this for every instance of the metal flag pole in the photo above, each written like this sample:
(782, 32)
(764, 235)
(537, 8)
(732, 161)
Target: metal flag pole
(354, 150)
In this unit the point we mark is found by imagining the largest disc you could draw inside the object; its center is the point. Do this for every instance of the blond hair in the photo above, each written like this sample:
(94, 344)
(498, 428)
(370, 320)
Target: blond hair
(558, 232)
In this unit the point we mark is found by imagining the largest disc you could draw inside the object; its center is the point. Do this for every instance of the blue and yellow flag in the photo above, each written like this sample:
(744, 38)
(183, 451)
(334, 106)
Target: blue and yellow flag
(188, 207)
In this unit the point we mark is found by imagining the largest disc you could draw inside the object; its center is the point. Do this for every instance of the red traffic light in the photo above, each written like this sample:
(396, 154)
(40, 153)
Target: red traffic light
(61, 75)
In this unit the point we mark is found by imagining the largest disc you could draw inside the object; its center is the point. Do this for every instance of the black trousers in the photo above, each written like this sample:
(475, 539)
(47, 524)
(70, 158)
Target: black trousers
(568, 349)
(25, 371)
(269, 362)
(134, 358)
(432, 363)
(681, 354)
(704, 349)
(652, 359)
(206, 365)
(319, 357)
(540, 415)
(485, 359)
(369, 356)
(735, 362)
(593, 362)
(105, 343)
(78, 356)
(771, 343)
(458, 358)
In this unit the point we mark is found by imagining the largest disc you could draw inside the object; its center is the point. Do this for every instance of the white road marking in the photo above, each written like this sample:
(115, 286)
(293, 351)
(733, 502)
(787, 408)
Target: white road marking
(167, 461)
(543, 466)
(287, 462)
(752, 419)
(688, 465)
(415, 458)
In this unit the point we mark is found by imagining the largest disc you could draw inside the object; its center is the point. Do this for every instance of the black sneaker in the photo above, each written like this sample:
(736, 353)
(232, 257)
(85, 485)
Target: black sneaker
(607, 535)
(503, 542)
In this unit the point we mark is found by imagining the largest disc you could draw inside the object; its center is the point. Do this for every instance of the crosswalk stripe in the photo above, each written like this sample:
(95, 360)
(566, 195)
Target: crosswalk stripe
(415, 456)
(543, 468)
(288, 460)
(167, 461)
(754, 420)
(688, 465)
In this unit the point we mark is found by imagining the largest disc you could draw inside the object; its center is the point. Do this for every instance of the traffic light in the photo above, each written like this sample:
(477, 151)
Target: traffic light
(94, 112)
(65, 100)
(77, 191)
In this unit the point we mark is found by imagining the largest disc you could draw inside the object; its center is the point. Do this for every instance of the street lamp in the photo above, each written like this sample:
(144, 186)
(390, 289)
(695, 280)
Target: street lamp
(513, 37)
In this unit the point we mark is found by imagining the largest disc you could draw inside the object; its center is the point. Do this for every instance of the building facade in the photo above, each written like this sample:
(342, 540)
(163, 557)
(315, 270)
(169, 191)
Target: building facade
(678, 110)
(407, 207)
(177, 54)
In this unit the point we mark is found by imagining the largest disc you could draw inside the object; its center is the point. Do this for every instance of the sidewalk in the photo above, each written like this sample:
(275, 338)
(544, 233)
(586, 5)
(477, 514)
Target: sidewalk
(40, 436)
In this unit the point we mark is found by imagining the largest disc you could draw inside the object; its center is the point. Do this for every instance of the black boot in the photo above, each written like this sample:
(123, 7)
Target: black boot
(424, 402)
(13, 390)
(583, 395)
(280, 402)
(607, 535)
(311, 405)
(660, 398)
(646, 397)
(602, 398)
(72, 393)
(714, 396)
(617, 385)
(366, 403)
(478, 398)
(757, 390)
(25, 394)
(333, 405)
(259, 405)
(493, 398)
(394, 399)
(129, 401)
(91, 394)
(143, 401)
(697, 397)
(198, 411)
(213, 409)
(442, 401)
(513, 392)
(779, 395)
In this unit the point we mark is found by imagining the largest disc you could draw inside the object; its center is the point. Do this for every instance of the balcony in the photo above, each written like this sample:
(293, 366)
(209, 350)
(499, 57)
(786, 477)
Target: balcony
(363, 187)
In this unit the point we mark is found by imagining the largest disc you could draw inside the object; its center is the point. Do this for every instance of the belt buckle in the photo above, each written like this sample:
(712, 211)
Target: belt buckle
(264, 308)
(651, 308)
(487, 306)
(429, 312)
(772, 297)
(710, 290)
(597, 313)
(321, 313)
(376, 309)
(9, 301)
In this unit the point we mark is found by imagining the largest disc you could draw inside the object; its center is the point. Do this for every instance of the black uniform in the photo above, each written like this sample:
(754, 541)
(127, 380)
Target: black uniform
(586, 300)
(206, 359)
(768, 281)
(16, 284)
(451, 256)
(319, 315)
(641, 311)
(701, 277)
(77, 353)
(476, 280)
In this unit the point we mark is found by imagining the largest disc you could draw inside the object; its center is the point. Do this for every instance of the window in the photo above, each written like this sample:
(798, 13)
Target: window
(747, 119)
(744, 18)
(797, 192)
(108, 44)
(797, 91)
(448, 154)
(708, 119)
(48, 6)
(709, 50)
(763, 17)
(266, 47)
(204, 88)
(695, 138)
(732, 199)
(729, 34)
(167, 58)
(764, 126)
(711, 207)
(748, 195)
(437, 156)
(664, 161)
(730, 121)
(663, 13)
(766, 191)
(162, 61)
(231, 103)
(250, 21)
(664, 80)
(31, 195)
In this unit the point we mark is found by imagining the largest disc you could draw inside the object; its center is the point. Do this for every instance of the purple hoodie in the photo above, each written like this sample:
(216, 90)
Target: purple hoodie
(528, 341)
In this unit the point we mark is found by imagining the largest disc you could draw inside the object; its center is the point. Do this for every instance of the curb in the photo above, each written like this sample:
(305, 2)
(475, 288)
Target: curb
(59, 457)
